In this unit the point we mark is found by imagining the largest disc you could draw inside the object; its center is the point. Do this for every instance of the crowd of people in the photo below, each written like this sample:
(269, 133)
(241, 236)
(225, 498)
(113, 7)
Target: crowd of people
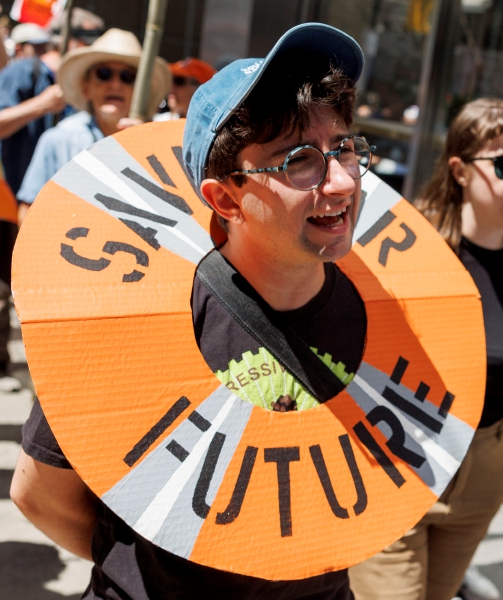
(53, 107)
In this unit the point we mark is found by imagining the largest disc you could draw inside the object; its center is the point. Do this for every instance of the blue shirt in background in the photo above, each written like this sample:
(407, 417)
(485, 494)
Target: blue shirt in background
(56, 147)
(20, 81)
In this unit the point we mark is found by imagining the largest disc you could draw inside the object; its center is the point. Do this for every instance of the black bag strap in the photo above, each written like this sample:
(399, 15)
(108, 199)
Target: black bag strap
(240, 299)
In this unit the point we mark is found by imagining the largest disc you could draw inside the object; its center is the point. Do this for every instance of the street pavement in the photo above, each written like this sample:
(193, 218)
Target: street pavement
(32, 567)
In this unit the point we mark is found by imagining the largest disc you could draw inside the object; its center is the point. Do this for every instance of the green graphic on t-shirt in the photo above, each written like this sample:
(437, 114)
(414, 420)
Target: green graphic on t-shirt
(261, 380)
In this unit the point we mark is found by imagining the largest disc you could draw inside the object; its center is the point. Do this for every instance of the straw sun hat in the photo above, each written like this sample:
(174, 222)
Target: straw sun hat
(115, 45)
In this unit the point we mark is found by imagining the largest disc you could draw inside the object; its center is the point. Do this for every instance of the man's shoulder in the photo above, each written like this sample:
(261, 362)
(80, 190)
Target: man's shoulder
(78, 120)
(19, 78)
(67, 128)
(19, 69)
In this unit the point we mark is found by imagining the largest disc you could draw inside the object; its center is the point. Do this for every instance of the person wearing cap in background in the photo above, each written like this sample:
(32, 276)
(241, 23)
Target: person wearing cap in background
(29, 97)
(97, 80)
(29, 40)
(188, 75)
(267, 142)
(85, 28)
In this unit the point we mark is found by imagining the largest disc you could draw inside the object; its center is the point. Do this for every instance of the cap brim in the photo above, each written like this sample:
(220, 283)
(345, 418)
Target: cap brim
(329, 43)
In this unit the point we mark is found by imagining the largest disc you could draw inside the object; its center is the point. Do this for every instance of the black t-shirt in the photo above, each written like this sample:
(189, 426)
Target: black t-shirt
(486, 268)
(333, 324)
(129, 567)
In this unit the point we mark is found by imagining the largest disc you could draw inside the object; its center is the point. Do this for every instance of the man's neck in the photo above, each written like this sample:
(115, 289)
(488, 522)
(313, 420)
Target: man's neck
(282, 286)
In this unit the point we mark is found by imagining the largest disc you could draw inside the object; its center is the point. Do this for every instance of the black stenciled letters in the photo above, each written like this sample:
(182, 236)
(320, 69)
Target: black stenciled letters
(367, 439)
(321, 469)
(283, 457)
(231, 513)
(156, 431)
(176, 201)
(396, 442)
(199, 505)
(421, 393)
(69, 254)
(387, 244)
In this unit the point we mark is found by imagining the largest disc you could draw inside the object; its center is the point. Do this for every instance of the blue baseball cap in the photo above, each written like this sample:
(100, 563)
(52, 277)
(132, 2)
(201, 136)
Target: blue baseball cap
(214, 102)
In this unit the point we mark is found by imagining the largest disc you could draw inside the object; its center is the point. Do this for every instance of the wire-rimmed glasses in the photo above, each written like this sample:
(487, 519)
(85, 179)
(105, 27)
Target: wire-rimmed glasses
(306, 167)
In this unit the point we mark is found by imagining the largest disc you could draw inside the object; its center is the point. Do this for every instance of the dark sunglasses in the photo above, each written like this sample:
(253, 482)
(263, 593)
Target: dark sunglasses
(497, 160)
(180, 81)
(104, 74)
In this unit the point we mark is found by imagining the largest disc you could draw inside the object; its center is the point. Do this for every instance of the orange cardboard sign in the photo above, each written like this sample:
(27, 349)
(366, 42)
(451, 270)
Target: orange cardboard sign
(103, 273)
(8, 204)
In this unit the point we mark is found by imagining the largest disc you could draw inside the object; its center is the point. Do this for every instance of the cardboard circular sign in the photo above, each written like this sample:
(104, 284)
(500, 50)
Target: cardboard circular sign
(103, 273)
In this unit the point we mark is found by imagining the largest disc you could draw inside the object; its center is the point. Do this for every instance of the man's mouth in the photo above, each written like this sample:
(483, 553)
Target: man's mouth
(331, 219)
(114, 99)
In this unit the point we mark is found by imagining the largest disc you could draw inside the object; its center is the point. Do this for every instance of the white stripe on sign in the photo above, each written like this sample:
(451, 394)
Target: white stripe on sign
(102, 173)
(158, 510)
(439, 454)
(370, 183)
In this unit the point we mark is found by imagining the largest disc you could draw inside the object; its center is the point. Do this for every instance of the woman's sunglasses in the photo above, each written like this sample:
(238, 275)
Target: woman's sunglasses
(103, 74)
(497, 160)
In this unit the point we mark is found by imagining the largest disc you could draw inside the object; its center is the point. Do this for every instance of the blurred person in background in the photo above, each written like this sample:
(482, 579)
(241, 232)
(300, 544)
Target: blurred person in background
(8, 233)
(85, 28)
(464, 201)
(4, 33)
(29, 40)
(188, 75)
(29, 97)
(97, 80)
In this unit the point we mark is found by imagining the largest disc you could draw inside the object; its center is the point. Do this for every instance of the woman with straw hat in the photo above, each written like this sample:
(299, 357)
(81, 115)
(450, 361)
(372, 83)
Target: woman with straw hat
(97, 80)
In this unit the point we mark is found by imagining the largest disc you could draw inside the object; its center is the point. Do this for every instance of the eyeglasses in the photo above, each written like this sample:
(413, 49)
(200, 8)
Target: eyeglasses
(103, 74)
(306, 167)
(497, 160)
(180, 81)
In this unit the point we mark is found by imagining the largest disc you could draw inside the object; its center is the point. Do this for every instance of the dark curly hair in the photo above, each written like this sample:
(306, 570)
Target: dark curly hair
(282, 102)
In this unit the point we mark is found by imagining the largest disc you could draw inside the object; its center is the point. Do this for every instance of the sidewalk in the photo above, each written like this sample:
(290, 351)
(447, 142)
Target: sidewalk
(32, 567)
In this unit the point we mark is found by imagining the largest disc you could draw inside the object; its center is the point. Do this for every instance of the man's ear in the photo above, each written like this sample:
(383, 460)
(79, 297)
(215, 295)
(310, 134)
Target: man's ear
(458, 170)
(222, 199)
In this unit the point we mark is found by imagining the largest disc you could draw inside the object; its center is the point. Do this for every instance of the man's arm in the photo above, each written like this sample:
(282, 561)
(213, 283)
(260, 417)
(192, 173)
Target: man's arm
(14, 118)
(56, 501)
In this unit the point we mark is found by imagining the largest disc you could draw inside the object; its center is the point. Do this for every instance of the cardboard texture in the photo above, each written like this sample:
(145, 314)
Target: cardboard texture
(103, 271)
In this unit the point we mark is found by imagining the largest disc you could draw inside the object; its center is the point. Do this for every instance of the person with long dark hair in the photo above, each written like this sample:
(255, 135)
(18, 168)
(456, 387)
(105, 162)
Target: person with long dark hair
(464, 201)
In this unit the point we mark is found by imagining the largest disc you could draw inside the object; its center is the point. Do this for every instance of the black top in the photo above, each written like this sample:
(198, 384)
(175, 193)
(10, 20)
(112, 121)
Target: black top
(128, 567)
(332, 324)
(486, 268)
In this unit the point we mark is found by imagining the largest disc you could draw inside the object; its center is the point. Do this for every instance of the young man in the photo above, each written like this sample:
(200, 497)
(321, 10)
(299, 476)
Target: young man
(268, 143)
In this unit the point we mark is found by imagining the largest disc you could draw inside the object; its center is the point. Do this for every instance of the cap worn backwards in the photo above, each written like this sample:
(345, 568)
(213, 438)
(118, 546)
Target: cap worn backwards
(213, 103)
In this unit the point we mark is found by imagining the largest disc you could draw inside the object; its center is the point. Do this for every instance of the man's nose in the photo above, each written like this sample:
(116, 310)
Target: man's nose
(337, 179)
(116, 80)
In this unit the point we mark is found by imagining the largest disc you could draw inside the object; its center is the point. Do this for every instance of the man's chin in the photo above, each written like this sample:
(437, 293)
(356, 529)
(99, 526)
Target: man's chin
(330, 252)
